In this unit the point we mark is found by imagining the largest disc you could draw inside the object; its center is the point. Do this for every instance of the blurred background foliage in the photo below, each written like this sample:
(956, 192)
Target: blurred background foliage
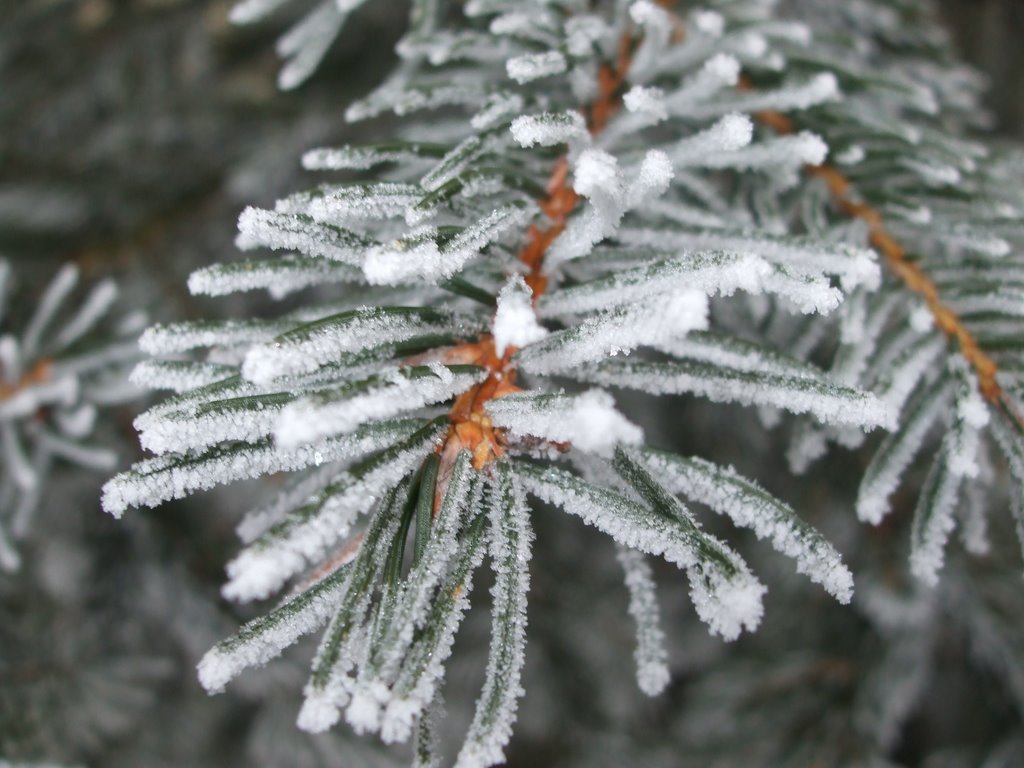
(132, 132)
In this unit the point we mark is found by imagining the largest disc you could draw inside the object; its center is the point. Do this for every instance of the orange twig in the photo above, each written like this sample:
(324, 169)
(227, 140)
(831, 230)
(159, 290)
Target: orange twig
(910, 274)
(39, 373)
(471, 428)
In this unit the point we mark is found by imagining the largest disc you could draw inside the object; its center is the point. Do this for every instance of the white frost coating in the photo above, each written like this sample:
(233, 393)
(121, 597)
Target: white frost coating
(597, 177)
(649, 14)
(154, 481)
(309, 421)
(652, 179)
(497, 107)
(397, 263)
(823, 399)
(365, 328)
(708, 22)
(708, 272)
(719, 72)
(278, 277)
(390, 264)
(533, 66)
(258, 521)
(894, 456)
(655, 322)
(304, 45)
(511, 536)
(963, 441)
(809, 293)
(413, 683)
(259, 228)
(727, 605)
(583, 32)
(819, 90)
(353, 157)
(187, 430)
(729, 134)
(56, 292)
(656, 26)
(248, 11)
(749, 506)
(405, 610)
(853, 265)
(515, 322)
(99, 301)
(852, 155)
(934, 520)
(727, 352)
(301, 615)
(589, 421)
(260, 570)
(424, 669)
(652, 673)
(549, 129)
(596, 173)
(182, 337)
(646, 101)
(352, 203)
(906, 371)
(61, 391)
(783, 152)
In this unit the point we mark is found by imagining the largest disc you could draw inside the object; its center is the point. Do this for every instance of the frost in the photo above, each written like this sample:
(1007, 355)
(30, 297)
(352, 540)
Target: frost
(731, 133)
(656, 322)
(279, 276)
(934, 519)
(533, 66)
(510, 540)
(646, 101)
(971, 416)
(589, 421)
(310, 419)
(245, 420)
(724, 592)
(727, 352)
(710, 272)
(305, 44)
(652, 671)
(515, 322)
(324, 518)
(96, 305)
(894, 455)
(708, 22)
(154, 481)
(265, 637)
(305, 349)
(784, 152)
(497, 108)
(402, 261)
(53, 297)
(248, 11)
(597, 177)
(405, 610)
(749, 506)
(829, 402)
(719, 72)
(799, 256)
(549, 129)
(821, 89)
(298, 232)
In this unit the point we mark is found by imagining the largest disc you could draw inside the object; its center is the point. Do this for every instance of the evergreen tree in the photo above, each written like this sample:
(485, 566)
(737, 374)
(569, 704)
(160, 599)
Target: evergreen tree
(584, 210)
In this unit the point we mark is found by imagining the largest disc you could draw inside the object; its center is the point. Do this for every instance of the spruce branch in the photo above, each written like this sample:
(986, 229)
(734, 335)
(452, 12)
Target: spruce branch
(607, 214)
